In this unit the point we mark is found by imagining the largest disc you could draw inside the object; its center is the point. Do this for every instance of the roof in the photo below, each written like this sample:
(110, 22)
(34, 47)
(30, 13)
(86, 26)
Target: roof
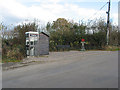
(32, 32)
(44, 33)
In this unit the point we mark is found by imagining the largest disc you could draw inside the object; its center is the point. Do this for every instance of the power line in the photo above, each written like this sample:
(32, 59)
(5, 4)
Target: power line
(96, 12)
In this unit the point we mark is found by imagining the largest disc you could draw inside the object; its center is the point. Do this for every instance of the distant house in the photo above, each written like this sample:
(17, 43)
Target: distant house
(37, 43)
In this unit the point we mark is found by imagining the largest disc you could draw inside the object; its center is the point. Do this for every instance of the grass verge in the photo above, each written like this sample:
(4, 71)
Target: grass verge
(10, 60)
(112, 48)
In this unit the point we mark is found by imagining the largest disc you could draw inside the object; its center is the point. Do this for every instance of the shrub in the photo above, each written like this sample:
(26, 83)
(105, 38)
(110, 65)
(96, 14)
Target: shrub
(14, 54)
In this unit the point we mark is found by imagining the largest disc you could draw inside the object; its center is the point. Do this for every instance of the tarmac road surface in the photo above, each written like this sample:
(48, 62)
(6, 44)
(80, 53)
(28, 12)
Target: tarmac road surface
(74, 69)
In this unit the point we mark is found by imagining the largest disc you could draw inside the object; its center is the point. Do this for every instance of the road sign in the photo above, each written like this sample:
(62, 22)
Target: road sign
(83, 42)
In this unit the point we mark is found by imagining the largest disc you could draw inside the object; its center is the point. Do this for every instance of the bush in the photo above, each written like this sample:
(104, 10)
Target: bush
(14, 48)
(15, 54)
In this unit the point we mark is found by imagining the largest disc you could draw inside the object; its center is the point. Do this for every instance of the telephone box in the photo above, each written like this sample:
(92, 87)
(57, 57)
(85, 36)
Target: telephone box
(31, 40)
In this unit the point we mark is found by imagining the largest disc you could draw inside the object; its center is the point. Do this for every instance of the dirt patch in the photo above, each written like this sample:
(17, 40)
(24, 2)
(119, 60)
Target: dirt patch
(52, 57)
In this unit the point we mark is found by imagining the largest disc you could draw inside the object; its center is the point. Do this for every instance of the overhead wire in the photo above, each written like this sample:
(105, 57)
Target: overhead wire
(96, 12)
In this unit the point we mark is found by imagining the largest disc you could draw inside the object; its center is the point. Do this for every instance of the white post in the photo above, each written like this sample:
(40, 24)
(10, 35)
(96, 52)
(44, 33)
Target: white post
(83, 47)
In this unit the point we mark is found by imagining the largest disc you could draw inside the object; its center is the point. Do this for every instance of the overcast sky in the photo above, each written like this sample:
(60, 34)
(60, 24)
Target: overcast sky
(19, 11)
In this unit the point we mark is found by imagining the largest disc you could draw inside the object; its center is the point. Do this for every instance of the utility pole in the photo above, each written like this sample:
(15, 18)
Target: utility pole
(108, 21)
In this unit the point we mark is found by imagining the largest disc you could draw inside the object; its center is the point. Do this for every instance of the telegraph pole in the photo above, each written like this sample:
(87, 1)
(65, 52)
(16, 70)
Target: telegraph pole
(108, 21)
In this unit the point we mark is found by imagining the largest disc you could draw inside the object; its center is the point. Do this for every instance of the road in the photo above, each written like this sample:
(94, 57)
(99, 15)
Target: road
(91, 69)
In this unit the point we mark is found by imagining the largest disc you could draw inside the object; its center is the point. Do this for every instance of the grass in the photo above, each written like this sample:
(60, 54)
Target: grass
(0, 59)
(112, 48)
(41, 56)
(10, 60)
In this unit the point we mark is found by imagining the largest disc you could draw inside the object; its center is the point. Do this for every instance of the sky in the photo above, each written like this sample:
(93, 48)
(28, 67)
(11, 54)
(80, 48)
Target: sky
(14, 12)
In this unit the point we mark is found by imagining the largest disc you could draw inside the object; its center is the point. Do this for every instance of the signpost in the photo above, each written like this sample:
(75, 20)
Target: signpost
(83, 47)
